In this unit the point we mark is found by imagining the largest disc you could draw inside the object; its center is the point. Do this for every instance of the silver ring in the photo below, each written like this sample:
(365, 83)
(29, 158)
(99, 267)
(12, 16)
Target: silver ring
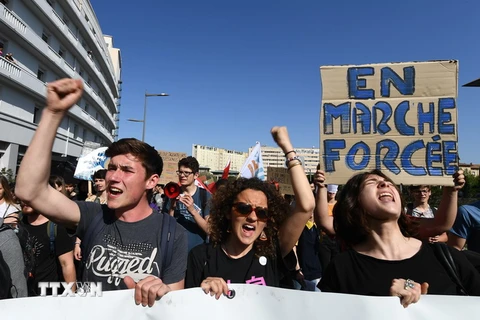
(409, 284)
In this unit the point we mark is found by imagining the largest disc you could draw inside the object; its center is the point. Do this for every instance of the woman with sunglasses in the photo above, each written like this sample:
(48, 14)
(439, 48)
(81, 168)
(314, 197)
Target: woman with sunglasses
(383, 256)
(252, 230)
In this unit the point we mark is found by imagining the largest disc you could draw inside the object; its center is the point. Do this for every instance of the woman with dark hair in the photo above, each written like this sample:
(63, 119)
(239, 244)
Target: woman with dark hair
(58, 183)
(251, 229)
(8, 208)
(383, 257)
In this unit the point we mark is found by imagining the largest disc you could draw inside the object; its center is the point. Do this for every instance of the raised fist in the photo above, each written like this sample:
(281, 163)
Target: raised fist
(280, 135)
(63, 94)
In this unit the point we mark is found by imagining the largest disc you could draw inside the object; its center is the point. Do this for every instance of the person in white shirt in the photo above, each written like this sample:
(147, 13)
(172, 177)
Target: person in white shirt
(8, 208)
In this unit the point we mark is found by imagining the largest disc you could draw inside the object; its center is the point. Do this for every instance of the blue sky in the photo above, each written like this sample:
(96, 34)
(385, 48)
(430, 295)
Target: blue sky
(234, 69)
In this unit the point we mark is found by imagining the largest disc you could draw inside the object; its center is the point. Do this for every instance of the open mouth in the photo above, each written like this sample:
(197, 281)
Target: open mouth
(248, 228)
(386, 196)
(114, 191)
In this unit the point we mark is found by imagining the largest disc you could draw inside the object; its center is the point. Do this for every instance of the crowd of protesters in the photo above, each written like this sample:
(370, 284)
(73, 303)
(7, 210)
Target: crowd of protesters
(361, 238)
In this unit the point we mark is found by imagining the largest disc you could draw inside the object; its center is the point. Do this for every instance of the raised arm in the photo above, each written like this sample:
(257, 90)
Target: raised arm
(32, 181)
(447, 211)
(321, 216)
(292, 227)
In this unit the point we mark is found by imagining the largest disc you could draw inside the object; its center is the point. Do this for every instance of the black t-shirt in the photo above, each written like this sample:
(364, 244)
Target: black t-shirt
(118, 248)
(355, 273)
(207, 260)
(195, 234)
(308, 253)
(46, 261)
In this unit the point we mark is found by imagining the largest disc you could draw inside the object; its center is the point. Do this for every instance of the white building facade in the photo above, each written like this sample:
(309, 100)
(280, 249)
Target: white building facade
(51, 40)
(274, 157)
(216, 158)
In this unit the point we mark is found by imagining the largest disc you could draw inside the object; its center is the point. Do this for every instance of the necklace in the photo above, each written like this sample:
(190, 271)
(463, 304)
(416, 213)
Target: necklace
(224, 248)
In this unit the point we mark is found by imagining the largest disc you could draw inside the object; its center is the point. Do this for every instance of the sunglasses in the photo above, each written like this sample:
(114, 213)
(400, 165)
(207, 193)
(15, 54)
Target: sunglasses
(246, 208)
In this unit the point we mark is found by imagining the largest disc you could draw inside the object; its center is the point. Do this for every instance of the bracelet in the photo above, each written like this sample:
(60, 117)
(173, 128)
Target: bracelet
(79, 243)
(292, 159)
(290, 152)
(299, 163)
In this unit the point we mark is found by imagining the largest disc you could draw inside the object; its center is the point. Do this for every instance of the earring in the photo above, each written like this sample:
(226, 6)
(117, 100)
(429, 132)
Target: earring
(263, 236)
(229, 229)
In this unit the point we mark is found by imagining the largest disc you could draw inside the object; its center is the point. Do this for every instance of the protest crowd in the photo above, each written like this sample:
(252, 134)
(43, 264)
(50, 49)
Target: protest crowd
(134, 233)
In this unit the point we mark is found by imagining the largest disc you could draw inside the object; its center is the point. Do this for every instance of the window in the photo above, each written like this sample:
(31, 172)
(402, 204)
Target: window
(84, 134)
(61, 52)
(75, 130)
(87, 107)
(36, 115)
(45, 36)
(41, 74)
(65, 20)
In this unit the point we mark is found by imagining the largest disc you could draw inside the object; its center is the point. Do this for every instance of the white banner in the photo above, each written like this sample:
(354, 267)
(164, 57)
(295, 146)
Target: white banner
(250, 301)
(88, 164)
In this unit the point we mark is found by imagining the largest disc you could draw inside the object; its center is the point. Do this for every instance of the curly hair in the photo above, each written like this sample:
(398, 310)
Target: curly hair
(350, 220)
(223, 200)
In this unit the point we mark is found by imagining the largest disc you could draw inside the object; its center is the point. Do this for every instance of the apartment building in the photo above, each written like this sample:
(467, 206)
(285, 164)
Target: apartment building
(216, 158)
(274, 157)
(51, 40)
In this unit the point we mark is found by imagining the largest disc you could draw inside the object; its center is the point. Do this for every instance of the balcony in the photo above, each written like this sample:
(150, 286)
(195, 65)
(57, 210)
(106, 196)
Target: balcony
(12, 20)
(27, 81)
(21, 78)
(15, 22)
(10, 69)
(53, 16)
(94, 95)
(80, 13)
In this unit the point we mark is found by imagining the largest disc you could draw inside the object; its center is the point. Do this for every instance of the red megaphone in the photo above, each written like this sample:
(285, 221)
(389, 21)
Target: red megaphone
(172, 190)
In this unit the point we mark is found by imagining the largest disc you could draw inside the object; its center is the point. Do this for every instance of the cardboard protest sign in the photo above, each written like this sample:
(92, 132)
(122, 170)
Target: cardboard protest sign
(400, 118)
(281, 176)
(170, 165)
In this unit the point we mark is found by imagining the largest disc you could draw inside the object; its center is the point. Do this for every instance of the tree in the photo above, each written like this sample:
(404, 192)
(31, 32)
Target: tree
(472, 185)
(8, 173)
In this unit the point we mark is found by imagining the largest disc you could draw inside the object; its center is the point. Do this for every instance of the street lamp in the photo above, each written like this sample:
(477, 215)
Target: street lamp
(145, 110)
